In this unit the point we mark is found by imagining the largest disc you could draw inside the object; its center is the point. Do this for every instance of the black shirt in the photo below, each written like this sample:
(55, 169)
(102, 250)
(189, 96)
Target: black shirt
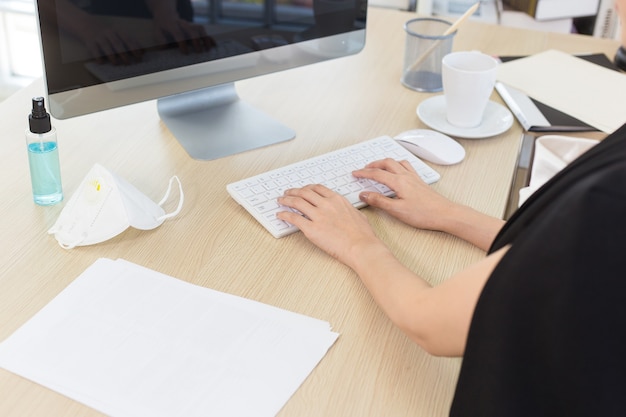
(548, 335)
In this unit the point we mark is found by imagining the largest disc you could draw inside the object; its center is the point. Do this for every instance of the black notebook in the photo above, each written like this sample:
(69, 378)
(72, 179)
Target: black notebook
(535, 116)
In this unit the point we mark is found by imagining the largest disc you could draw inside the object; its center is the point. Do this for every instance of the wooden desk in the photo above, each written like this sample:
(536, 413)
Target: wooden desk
(373, 369)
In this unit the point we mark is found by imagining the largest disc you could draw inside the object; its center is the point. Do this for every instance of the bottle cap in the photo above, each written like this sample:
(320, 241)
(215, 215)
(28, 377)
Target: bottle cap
(39, 118)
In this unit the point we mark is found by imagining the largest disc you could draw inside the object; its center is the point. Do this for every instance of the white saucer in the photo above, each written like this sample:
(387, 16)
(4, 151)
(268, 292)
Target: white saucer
(432, 112)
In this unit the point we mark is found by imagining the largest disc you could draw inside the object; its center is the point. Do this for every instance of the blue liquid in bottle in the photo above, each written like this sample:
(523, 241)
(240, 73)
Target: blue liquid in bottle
(45, 173)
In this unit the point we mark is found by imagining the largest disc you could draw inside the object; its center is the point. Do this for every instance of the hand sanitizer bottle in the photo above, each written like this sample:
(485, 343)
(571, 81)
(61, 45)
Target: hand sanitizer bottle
(43, 156)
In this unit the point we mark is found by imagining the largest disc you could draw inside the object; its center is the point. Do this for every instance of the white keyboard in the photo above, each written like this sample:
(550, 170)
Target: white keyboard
(258, 194)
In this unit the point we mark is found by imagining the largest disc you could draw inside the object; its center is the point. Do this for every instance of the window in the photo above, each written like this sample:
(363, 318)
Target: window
(20, 56)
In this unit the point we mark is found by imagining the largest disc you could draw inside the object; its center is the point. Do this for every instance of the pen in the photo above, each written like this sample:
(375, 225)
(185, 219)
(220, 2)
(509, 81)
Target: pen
(512, 105)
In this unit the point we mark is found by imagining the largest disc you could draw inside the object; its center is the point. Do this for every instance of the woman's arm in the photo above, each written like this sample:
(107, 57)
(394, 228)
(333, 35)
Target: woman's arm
(418, 205)
(436, 318)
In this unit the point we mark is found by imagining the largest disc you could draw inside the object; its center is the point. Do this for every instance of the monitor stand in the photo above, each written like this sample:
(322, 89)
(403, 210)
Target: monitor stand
(213, 122)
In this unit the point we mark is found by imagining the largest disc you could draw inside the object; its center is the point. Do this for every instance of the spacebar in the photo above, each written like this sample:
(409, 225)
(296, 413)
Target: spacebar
(354, 199)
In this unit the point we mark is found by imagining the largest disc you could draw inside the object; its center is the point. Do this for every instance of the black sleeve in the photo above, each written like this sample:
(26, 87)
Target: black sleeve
(548, 336)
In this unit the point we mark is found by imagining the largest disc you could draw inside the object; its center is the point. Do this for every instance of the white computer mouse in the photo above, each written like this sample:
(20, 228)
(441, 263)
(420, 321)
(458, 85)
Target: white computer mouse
(432, 146)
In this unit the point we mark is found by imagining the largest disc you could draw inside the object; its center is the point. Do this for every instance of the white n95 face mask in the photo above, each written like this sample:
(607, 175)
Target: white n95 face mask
(104, 206)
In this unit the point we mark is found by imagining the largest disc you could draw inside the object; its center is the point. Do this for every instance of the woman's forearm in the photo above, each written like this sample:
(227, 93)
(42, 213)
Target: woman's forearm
(470, 225)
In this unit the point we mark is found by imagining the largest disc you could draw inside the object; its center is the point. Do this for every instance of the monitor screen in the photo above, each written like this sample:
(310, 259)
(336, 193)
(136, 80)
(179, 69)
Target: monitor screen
(101, 54)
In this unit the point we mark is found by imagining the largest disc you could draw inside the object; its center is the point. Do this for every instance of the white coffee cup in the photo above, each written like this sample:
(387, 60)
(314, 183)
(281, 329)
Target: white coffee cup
(468, 80)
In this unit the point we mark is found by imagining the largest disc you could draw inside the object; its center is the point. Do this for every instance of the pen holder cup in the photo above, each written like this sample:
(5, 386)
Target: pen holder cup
(425, 46)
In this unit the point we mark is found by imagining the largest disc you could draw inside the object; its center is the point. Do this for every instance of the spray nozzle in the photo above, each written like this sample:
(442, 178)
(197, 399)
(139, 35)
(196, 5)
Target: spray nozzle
(39, 108)
(39, 118)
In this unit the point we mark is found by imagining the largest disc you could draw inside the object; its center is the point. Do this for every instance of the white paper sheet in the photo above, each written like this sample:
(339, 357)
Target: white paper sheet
(572, 85)
(128, 341)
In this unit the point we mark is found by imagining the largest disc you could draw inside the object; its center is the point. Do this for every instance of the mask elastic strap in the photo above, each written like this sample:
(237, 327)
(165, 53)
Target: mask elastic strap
(71, 245)
(166, 196)
(54, 231)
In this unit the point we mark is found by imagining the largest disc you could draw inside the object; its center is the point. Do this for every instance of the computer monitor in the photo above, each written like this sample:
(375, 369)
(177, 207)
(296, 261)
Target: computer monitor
(101, 54)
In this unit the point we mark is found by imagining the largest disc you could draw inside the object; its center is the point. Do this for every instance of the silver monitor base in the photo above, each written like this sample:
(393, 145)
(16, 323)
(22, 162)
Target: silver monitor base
(213, 122)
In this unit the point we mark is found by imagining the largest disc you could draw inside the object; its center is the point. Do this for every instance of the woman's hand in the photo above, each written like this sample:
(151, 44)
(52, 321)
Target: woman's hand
(190, 37)
(330, 222)
(114, 46)
(416, 203)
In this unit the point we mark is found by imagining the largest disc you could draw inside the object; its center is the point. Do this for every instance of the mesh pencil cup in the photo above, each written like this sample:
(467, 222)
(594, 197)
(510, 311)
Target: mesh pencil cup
(425, 46)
